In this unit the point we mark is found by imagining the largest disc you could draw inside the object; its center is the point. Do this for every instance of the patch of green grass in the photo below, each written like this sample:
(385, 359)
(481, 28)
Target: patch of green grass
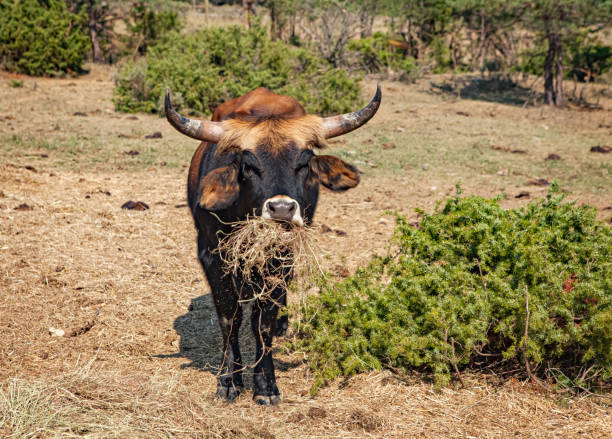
(82, 153)
(16, 83)
(464, 147)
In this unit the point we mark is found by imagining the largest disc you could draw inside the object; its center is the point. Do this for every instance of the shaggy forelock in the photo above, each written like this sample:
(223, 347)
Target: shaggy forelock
(275, 133)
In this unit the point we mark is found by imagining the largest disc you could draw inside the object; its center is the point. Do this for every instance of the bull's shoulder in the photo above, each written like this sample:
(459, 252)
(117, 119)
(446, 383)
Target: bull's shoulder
(260, 103)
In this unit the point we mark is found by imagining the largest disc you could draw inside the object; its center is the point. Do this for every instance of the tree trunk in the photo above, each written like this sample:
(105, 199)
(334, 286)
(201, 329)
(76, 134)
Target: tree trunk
(549, 88)
(453, 51)
(245, 8)
(274, 25)
(366, 22)
(95, 43)
(559, 96)
(482, 40)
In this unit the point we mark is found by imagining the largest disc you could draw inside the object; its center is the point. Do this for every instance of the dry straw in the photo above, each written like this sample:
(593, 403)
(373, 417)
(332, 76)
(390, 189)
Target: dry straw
(269, 254)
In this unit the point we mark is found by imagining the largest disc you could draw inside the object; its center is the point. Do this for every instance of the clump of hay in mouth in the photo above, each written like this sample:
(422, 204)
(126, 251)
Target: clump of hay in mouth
(268, 254)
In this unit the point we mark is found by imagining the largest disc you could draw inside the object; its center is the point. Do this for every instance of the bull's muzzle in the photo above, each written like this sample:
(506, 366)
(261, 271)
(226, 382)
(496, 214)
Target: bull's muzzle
(282, 208)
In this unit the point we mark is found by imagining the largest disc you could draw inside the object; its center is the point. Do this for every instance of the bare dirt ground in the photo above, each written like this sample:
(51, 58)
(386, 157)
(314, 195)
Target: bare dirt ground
(141, 339)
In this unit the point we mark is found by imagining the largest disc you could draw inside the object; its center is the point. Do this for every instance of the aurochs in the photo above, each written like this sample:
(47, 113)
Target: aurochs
(257, 157)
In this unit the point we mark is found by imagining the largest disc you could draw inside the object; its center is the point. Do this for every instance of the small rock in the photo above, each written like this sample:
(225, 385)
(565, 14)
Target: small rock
(56, 332)
(500, 148)
(127, 136)
(30, 168)
(601, 148)
(553, 157)
(134, 205)
(79, 113)
(325, 228)
(339, 232)
(463, 113)
(523, 195)
(341, 270)
(400, 129)
(131, 152)
(24, 206)
(539, 182)
(155, 135)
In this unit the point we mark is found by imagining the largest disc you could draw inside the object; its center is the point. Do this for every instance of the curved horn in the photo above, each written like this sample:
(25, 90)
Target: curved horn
(201, 130)
(345, 123)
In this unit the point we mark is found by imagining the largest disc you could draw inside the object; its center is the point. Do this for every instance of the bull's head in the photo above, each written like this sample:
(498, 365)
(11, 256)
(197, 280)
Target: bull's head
(265, 161)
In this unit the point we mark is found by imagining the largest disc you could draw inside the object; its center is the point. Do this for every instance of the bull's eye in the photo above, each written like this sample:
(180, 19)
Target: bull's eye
(249, 171)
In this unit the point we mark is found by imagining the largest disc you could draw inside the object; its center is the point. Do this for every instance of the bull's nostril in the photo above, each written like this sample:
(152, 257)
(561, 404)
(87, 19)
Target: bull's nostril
(281, 210)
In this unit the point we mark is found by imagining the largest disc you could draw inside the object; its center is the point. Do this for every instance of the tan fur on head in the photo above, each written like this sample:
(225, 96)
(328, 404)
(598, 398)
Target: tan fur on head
(305, 132)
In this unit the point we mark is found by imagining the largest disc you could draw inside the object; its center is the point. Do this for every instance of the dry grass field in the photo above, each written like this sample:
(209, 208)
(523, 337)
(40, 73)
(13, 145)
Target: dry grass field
(141, 341)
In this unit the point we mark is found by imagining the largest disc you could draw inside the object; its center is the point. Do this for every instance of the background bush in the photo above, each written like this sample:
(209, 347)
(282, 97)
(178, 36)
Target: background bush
(41, 38)
(214, 65)
(147, 26)
(374, 55)
(455, 292)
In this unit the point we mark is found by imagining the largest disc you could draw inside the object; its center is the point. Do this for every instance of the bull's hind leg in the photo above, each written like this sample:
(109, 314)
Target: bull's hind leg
(263, 324)
(229, 312)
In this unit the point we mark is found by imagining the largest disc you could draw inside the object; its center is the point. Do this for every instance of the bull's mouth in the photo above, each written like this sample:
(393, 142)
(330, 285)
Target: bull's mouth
(283, 209)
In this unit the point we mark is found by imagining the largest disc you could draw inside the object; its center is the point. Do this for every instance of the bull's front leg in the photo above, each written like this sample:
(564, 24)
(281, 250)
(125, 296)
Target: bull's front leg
(263, 324)
(229, 313)
(229, 384)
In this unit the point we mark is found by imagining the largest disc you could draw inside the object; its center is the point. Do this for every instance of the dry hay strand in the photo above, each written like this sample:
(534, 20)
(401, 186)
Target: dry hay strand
(269, 254)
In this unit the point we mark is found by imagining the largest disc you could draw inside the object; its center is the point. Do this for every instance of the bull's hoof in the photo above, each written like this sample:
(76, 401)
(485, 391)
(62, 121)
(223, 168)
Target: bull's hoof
(267, 400)
(228, 393)
(282, 324)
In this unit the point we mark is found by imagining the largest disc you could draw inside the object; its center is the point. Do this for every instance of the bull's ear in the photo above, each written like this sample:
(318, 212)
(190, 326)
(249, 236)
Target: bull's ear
(334, 173)
(219, 188)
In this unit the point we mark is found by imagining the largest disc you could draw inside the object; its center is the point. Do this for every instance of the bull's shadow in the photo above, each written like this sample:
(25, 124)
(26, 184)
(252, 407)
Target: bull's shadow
(201, 343)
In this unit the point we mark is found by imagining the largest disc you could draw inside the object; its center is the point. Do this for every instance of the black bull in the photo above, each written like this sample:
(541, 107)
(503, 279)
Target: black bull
(257, 157)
